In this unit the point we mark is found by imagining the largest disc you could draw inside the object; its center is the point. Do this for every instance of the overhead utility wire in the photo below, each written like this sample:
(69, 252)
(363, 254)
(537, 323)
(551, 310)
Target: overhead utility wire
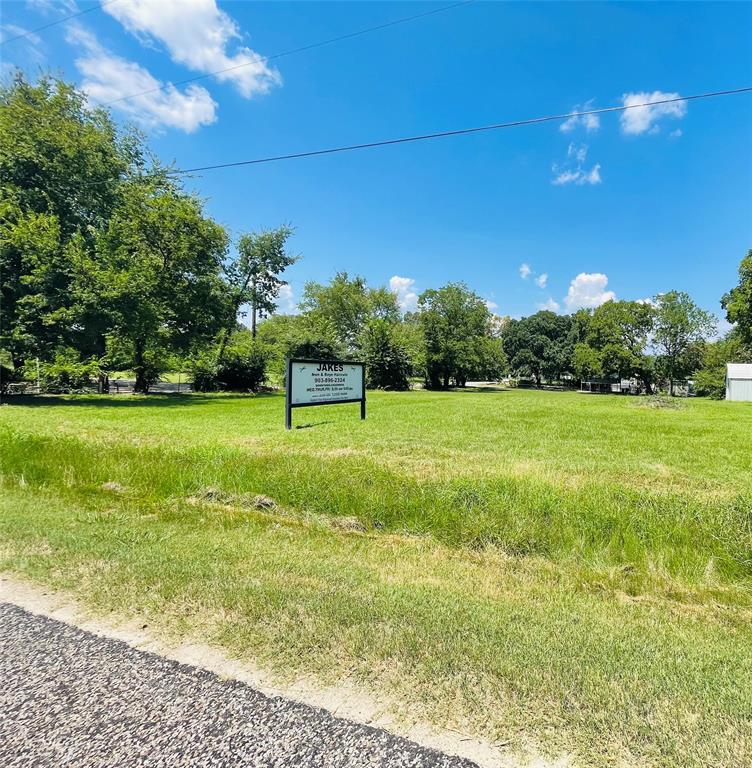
(301, 49)
(96, 7)
(458, 132)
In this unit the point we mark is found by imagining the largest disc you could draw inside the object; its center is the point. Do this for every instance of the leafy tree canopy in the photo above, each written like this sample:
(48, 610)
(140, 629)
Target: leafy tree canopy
(615, 344)
(681, 328)
(347, 304)
(457, 331)
(738, 302)
(541, 345)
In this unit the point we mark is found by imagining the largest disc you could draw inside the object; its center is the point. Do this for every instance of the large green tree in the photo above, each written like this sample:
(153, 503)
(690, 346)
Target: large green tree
(60, 169)
(681, 328)
(540, 345)
(155, 274)
(616, 341)
(347, 304)
(738, 302)
(457, 332)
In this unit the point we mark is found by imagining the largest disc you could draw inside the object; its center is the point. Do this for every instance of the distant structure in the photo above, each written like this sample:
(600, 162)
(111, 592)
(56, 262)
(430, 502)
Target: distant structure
(739, 381)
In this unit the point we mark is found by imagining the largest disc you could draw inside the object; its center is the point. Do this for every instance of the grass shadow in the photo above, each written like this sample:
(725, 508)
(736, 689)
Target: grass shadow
(152, 400)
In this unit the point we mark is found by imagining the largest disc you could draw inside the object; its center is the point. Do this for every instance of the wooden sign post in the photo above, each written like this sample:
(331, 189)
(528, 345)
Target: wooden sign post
(323, 382)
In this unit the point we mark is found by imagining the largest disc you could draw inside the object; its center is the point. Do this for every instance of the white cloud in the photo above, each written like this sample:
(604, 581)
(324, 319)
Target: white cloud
(402, 287)
(286, 303)
(578, 176)
(492, 305)
(45, 6)
(675, 134)
(525, 271)
(198, 35)
(542, 280)
(108, 77)
(590, 123)
(645, 119)
(588, 290)
(550, 304)
(577, 152)
(573, 172)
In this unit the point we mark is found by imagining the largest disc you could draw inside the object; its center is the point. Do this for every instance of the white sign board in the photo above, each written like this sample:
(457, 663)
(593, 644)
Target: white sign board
(323, 382)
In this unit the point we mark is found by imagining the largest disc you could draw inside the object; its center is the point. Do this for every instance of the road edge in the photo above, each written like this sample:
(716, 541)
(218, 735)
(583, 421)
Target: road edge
(341, 701)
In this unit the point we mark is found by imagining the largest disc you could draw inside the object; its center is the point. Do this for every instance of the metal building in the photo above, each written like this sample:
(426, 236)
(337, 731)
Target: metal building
(739, 381)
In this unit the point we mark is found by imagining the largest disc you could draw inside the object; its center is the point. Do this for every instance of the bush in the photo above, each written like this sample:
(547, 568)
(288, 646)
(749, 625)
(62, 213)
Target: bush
(710, 379)
(387, 362)
(65, 374)
(203, 373)
(711, 382)
(7, 371)
(241, 369)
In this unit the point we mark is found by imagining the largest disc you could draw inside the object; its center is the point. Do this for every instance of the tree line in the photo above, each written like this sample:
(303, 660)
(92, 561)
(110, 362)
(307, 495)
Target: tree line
(108, 264)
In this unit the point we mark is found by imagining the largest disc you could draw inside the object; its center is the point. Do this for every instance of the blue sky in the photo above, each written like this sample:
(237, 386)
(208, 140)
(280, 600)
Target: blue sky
(658, 200)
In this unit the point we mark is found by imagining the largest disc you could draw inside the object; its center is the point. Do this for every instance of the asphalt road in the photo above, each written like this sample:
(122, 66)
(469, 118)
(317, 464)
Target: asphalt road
(71, 698)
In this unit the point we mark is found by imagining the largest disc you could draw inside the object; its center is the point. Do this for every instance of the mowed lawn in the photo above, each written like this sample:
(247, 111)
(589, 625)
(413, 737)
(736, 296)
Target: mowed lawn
(560, 573)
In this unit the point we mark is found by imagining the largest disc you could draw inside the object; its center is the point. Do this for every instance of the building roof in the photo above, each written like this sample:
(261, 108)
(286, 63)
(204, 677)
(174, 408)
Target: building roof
(739, 370)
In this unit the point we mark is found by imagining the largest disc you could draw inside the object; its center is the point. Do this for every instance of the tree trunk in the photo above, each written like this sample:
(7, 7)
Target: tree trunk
(671, 386)
(253, 318)
(139, 368)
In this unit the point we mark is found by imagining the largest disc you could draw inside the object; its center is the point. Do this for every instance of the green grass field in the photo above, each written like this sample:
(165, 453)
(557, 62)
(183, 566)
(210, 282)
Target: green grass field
(559, 571)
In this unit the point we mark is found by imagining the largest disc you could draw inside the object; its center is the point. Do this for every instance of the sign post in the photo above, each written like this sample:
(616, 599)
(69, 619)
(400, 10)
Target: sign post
(323, 382)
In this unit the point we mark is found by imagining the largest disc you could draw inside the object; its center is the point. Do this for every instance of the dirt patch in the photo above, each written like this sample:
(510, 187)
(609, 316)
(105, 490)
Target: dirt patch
(348, 524)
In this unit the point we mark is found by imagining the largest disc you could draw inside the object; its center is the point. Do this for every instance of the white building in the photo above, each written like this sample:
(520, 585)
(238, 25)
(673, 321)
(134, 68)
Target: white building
(739, 381)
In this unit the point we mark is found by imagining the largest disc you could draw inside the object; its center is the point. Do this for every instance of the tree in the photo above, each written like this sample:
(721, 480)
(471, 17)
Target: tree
(681, 328)
(348, 304)
(155, 274)
(297, 336)
(241, 369)
(387, 362)
(710, 379)
(60, 170)
(457, 330)
(738, 302)
(616, 341)
(255, 276)
(540, 346)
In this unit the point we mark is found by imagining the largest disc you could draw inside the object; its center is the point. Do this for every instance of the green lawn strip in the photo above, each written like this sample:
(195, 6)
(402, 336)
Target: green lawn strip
(698, 539)
(515, 648)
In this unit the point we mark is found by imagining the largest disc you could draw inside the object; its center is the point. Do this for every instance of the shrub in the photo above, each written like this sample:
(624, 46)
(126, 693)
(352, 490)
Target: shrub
(241, 369)
(710, 379)
(203, 371)
(66, 373)
(387, 361)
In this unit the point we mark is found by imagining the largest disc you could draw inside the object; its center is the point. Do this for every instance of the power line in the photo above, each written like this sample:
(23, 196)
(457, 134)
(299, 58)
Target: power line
(301, 49)
(428, 136)
(96, 7)
(458, 132)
